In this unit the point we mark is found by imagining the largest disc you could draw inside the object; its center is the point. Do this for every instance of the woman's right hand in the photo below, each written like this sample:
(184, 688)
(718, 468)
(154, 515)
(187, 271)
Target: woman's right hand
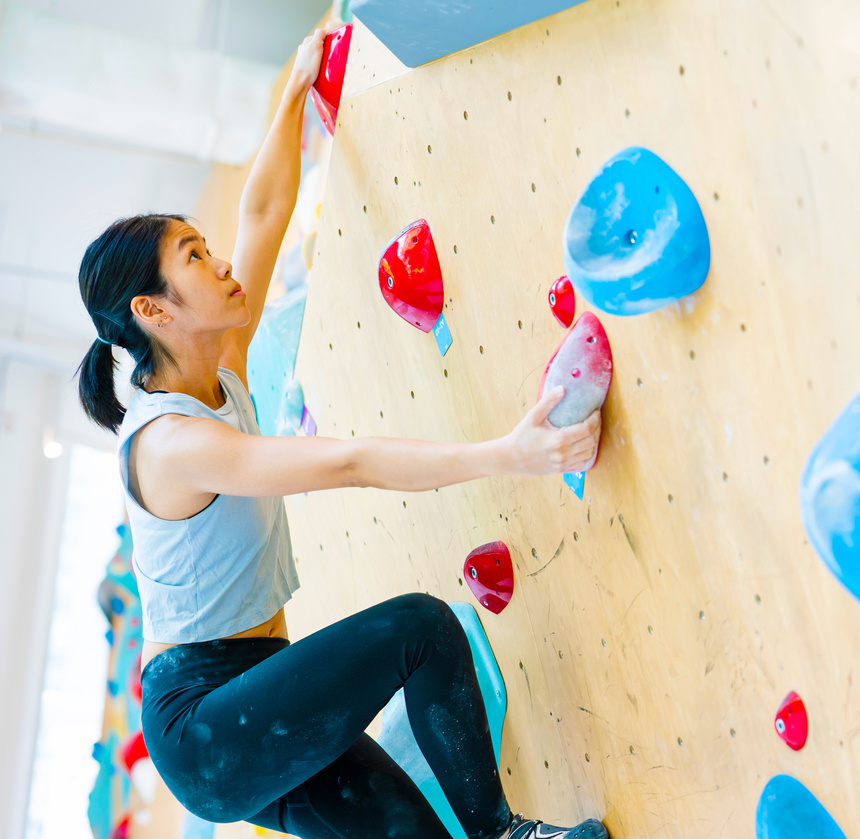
(537, 447)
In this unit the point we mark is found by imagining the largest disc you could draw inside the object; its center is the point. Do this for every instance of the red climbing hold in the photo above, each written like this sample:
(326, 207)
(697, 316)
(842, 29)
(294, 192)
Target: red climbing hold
(329, 84)
(134, 687)
(133, 750)
(791, 722)
(562, 301)
(582, 365)
(489, 573)
(121, 830)
(410, 277)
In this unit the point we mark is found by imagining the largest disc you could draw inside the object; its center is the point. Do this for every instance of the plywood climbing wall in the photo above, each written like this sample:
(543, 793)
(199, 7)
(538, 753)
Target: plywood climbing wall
(658, 624)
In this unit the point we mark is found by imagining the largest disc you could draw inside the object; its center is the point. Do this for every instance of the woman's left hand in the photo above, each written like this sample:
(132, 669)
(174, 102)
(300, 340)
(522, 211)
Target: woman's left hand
(308, 57)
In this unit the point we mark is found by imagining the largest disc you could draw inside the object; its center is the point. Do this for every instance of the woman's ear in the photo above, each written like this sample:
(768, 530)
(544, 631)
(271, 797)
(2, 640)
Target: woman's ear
(147, 311)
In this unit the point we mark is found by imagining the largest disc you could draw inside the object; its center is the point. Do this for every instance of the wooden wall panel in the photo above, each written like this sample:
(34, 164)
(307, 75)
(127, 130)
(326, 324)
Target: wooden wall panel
(657, 625)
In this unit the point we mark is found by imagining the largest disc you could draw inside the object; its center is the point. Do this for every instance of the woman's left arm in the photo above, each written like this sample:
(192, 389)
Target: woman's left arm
(268, 200)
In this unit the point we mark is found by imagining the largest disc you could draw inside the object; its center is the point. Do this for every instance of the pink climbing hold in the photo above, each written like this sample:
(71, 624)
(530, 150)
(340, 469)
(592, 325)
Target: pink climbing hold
(582, 365)
(562, 301)
(328, 86)
(791, 722)
(410, 277)
(489, 573)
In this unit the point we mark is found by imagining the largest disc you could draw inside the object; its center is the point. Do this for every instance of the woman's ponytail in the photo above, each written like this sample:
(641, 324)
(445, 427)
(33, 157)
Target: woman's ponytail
(96, 387)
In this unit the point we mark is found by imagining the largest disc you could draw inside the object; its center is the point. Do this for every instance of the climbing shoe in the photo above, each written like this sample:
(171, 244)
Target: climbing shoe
(535, 829)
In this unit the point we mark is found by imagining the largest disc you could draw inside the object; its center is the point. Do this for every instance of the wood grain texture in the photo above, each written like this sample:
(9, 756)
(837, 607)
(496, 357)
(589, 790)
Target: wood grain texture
(656, 626)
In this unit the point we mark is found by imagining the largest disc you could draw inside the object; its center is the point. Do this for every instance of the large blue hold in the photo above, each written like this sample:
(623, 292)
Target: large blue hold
(419, 31)
(830, 497)
(397, 738)
(636, 239)
(277, 395)
(788, 810)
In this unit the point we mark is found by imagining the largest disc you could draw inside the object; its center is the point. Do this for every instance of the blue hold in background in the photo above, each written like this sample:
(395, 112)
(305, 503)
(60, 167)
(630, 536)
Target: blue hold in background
(830, 497)
(788, 810)
(277, 395)
(636, 239)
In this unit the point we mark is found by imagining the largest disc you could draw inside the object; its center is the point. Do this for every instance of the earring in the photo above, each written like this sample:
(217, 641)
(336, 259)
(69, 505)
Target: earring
(161, 324)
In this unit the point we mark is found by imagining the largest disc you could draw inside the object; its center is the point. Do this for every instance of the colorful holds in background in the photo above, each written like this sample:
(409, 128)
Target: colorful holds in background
(410, 277)
(788, 810)
(791, 722)
(830, 497)
(489, 573)
(636, 239)
(582, 365)
(562, 301)
(327, 88)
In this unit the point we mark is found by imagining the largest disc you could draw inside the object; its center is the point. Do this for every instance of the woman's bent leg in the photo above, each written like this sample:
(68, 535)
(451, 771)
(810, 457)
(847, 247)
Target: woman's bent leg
(363, 794)
(243, 745)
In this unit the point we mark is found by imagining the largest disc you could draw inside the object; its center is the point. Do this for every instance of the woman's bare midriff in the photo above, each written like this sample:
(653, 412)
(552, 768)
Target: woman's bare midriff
(275, 627)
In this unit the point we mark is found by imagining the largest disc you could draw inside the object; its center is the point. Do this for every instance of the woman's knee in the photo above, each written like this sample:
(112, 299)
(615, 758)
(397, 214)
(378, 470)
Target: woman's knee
(428, 617)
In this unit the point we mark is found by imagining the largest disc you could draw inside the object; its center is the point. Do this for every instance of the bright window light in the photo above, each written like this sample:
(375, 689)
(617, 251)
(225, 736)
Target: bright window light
(75, 683)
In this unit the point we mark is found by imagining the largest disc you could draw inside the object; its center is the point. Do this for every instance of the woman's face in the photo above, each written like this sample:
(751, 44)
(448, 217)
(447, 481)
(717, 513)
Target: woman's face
(211, 300)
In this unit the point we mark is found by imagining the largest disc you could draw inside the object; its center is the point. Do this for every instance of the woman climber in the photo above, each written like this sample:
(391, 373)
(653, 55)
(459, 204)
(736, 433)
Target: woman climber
(240, 723)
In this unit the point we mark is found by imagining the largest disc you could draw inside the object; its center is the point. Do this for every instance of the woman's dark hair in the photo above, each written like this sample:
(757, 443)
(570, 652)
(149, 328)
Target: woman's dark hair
(118, 266)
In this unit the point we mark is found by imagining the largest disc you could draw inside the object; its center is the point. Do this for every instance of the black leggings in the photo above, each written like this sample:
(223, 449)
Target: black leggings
(264, 731)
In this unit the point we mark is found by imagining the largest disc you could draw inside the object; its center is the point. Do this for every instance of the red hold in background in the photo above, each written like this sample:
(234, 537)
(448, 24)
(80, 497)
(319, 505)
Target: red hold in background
(791, 723)
(329, 84)
(410, 277)
(489, 573)
(133, 750)
(562, 301)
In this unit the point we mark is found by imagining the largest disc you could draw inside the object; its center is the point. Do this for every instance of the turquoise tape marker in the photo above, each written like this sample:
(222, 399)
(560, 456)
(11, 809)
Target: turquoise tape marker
(576, 481)
(442, 335)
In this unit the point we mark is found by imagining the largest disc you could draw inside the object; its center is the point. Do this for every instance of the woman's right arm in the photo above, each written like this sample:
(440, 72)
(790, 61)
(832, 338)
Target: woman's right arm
(208, 456)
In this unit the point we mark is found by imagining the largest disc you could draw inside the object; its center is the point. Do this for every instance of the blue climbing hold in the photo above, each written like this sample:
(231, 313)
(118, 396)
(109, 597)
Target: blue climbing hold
(193, 827)
(278, 396)
(787, 810)
(830, 497)
(419, 31)
(397, 738)
(636, 239)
